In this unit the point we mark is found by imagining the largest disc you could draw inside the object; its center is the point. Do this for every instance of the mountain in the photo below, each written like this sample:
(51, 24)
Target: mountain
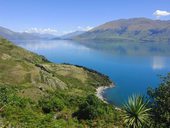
(135, 29)
(11, 35)
(37, 93)
(69, 35)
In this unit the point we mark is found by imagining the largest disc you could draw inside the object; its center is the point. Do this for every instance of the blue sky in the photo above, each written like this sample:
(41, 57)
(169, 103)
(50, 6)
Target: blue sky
(70, 15)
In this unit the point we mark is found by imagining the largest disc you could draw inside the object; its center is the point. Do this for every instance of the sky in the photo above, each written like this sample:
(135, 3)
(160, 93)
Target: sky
(64, 16)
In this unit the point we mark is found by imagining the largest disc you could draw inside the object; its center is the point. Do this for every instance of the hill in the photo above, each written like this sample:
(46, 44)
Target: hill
(37, 93)
(135, 29)
(11, 35)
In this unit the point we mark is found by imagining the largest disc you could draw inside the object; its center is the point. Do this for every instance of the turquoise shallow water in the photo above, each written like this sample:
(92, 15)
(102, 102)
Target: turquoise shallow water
(133, 68)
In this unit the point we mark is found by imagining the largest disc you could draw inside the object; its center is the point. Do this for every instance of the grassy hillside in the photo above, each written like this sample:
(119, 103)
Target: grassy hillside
(37, 93)
(135, 29)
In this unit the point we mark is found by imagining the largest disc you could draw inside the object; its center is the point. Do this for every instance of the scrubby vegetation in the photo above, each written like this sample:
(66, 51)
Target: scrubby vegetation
(160, 104)
(56, 109)
(94, 108)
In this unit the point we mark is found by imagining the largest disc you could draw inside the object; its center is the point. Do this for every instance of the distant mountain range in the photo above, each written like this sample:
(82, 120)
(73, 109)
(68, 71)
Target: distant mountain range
(69, 35)
(11, 35)
(135, 29)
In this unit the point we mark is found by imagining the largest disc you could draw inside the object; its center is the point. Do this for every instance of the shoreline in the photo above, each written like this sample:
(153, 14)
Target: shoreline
(99, 93)
(100, 90)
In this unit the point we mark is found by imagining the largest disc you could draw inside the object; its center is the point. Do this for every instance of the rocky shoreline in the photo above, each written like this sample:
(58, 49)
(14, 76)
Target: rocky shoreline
(100, 90)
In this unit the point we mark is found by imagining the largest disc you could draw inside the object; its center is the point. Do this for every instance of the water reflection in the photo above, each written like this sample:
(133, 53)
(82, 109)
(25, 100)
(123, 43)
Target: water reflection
(158, 62)
(35, 45)
(114, 48)
(131, 48)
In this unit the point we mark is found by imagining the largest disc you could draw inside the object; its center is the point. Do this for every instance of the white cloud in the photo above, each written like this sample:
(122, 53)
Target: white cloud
(161, 13)
(87, 28)
(56, 32)
(66, 32)
(42, 31)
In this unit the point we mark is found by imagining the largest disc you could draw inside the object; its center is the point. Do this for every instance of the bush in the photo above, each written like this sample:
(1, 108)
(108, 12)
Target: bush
(49, 104)
(90, 109)
(160, 103)
(8, 96)
(136, 112)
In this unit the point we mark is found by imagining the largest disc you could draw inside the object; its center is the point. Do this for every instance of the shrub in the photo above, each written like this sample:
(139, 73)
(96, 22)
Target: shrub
(136, 112)
(90, 109)
(160, 103)
(49, 104)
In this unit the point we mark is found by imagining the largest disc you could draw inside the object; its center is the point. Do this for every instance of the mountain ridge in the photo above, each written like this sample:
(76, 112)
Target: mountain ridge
(133, 29)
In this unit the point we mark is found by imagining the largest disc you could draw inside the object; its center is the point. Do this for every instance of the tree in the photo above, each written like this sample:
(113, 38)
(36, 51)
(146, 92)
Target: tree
(160, 103)
(136, 112)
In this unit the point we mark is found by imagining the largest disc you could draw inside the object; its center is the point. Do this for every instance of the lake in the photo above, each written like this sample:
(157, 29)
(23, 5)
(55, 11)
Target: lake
(133, 67)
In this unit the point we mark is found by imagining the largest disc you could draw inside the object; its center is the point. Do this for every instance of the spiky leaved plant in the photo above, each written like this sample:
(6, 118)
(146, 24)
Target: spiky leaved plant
(136, 112)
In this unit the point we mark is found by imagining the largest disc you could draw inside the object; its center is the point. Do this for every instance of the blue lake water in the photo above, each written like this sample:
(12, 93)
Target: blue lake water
(132, 67)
